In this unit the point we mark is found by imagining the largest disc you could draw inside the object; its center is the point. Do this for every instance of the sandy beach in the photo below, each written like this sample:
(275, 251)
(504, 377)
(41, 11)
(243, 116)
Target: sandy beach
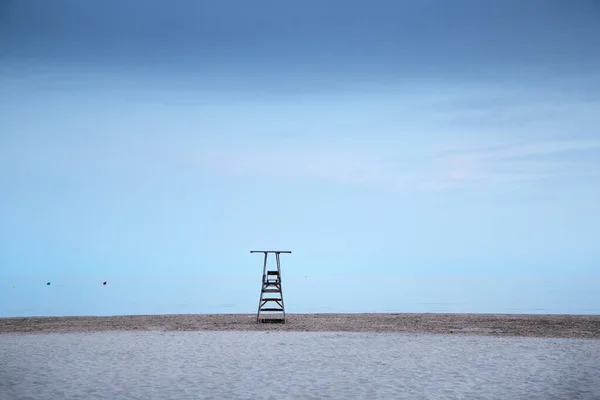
(295, 365)
(549, 326)
(312, 356)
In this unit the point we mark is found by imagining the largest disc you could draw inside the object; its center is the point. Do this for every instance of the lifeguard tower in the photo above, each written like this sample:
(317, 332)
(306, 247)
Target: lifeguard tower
(270, 306)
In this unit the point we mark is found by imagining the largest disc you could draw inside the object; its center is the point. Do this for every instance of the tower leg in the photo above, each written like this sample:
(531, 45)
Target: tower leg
(262, 288)
(280, 285)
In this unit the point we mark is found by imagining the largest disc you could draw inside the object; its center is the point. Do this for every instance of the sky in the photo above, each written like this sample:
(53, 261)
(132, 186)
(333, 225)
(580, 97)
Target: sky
(405, 149)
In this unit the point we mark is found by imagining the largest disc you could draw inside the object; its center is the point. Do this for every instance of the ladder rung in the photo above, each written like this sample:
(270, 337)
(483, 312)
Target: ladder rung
(271, 309)
(273, 320)
(271, 299)
(271, 291)
(272, 273)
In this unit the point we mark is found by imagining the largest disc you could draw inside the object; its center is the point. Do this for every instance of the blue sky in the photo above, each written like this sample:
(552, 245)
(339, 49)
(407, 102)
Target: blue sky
(147, 141)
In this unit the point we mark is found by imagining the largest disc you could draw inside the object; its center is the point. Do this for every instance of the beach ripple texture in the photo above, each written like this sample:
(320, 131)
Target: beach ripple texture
(295, 365)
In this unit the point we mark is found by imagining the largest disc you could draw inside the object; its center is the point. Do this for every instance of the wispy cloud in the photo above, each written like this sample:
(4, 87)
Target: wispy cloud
(514, 162)
(327, 165)
(494, 165)
(526, 148)
(501, 164)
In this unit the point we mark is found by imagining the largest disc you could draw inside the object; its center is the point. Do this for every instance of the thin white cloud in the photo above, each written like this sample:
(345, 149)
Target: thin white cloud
(502, 164)
(513, 163)
(331, 165)
(524, 149)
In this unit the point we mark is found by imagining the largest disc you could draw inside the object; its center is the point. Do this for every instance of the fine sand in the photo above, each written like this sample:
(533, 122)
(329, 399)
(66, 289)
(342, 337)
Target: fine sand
(549, 326)
(295, 365)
